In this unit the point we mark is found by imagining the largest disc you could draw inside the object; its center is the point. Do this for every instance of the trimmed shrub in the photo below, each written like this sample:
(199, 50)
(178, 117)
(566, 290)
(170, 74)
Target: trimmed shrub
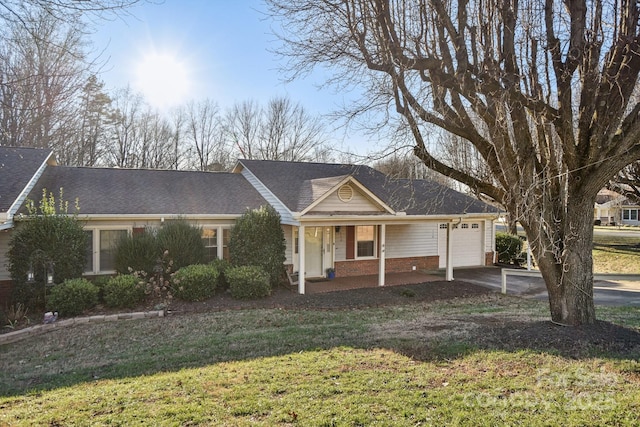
(222, 265)
(123, 290)
(138, 252)
(196, 282)
(257, 239)
(248, 281)
(72, 297)
(56, 240)
(509, 248)
(183, 243)
(100, 282)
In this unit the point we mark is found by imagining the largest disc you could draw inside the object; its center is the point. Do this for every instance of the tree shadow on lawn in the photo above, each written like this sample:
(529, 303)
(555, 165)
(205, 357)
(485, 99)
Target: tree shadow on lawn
(281, 336)
(602, 339)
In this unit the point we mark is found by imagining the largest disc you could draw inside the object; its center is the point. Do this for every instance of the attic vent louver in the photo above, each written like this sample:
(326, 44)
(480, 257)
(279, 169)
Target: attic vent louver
(345, 193)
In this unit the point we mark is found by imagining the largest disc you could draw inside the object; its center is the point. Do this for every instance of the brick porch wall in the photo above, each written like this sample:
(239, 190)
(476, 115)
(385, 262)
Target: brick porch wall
(392, 265)
(488, 258)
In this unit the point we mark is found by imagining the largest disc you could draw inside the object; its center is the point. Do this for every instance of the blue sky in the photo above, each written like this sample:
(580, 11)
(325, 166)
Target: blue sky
(222, 44)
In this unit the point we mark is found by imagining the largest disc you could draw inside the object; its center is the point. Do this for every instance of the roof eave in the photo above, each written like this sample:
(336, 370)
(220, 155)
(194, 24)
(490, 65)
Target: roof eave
(15, 206)
(399, 217)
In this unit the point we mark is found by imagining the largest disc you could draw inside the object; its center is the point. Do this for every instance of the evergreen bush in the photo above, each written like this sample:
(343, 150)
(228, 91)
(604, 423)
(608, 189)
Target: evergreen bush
(509, 248)
(248, 281)
(100, 282)
(138, 252)
(47, 238)
(182, 242)
(124, 290)
(222, 265)
(196, 282)
(257, 239)
(72, 297)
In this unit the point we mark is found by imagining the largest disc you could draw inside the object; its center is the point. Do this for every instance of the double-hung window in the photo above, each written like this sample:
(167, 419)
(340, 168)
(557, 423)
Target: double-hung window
(366, 241)
(101, 249)
(211, 237)
(210, 241)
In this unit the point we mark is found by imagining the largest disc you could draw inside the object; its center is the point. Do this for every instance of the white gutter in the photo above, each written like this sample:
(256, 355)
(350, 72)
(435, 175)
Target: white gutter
(158, 217)
(25, 192)
(286, 216)
(374, 218)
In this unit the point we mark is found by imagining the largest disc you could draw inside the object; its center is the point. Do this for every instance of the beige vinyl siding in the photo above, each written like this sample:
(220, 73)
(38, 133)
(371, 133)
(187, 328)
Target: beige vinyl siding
(488, 236)
(359, 203)
(5, 235)
(341, 244)
(409, 240)
(288, 239)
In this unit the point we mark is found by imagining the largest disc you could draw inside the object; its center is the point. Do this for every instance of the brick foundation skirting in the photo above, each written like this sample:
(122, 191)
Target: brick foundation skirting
(488, 258)
(392, 265)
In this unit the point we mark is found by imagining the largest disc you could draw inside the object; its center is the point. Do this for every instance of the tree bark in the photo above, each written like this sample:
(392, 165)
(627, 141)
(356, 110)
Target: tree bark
(564, 255)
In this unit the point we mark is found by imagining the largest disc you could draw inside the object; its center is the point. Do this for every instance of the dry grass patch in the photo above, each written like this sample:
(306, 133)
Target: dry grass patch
(616, 254)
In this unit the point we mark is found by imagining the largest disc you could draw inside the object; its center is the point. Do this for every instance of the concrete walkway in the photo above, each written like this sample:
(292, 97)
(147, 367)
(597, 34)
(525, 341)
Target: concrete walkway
(606, 292)
(371, 281)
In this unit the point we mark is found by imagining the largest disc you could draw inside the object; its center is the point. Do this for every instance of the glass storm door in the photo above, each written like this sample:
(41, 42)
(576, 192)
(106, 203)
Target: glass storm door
(313, 251)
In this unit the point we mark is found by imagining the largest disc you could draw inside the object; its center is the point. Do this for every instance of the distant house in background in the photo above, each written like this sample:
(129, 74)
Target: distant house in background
(612, 208)
(348, 218)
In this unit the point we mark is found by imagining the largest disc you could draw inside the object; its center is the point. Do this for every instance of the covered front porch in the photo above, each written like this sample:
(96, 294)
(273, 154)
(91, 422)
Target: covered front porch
(356, 253)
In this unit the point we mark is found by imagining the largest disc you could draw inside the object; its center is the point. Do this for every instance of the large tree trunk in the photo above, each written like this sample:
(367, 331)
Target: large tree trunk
(565, 259)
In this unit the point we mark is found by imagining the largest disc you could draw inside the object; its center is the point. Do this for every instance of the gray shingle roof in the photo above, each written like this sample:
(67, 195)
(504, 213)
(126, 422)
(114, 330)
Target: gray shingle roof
(17, 166)
(150, 192)
(291, 181)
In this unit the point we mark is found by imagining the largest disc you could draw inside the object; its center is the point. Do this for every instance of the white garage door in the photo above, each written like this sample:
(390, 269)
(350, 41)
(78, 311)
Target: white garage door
(467, 244)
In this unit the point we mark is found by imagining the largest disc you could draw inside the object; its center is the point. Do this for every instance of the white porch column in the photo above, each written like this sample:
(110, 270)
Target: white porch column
(301, 260)
(382, 257)
(449, 273)
(220, 242)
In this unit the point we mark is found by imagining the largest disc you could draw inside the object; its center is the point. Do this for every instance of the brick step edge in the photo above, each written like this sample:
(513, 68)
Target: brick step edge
(21, 334)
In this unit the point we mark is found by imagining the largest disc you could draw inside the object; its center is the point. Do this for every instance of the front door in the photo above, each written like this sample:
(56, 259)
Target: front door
(313, 251)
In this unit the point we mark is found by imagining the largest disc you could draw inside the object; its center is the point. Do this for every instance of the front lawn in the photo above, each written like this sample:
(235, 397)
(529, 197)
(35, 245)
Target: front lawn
(616, 254)
(471, 361)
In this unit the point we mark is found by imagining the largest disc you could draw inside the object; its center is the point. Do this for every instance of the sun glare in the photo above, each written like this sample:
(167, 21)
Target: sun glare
(163, 80)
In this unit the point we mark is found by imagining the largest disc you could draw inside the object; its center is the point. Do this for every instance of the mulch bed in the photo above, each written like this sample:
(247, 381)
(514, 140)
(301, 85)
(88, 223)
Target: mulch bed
(346, 299)
(495, 334)
(575, 342)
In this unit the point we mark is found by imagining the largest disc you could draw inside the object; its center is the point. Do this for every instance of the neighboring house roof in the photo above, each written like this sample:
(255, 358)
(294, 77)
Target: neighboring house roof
(608, 197)
(297, 185)
(102, 191)
(18, 167)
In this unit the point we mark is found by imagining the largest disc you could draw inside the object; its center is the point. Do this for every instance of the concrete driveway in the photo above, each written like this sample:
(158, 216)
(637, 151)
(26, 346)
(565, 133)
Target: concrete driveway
(614, 293)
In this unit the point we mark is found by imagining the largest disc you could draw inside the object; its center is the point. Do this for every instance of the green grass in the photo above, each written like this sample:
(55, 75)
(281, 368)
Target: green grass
(616, 254)
(402, 365)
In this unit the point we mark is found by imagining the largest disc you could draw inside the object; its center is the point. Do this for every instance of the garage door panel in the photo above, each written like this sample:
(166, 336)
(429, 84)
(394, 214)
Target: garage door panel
(467, 245)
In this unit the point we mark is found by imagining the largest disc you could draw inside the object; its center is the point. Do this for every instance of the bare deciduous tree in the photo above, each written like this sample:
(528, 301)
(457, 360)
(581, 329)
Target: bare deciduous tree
(203, 134)
(541, 90)
(289, 132)
(627, 182)
(42, 74)
(124, 140)
(281, 130)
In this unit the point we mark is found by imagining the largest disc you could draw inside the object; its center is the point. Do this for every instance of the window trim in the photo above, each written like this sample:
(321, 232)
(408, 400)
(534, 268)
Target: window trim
(95, 246)
(215, 245)
(220, 234)
(375, 242)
